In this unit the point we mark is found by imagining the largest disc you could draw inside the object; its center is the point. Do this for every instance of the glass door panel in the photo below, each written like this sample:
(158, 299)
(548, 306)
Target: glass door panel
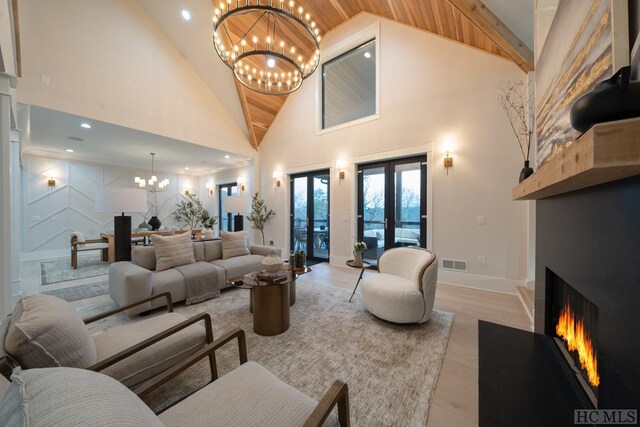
(392, 203)
(310, 214)
(321, 216)
(372, 211)
(299, 214)
(407, 220)
(226, 218)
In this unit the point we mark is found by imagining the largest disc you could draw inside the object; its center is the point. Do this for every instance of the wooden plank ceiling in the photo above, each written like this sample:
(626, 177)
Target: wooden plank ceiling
(465, 21)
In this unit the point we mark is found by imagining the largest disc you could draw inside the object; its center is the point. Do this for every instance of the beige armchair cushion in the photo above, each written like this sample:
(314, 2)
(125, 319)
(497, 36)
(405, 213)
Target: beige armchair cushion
(173, 251)
(234, 244)
(46, 331)
(154, 359)
(248, 396)
(71, 397)
(404, 290)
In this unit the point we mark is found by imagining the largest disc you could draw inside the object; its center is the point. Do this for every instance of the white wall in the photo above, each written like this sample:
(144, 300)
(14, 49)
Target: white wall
(107, 60)
(432, 89)
(49, 216)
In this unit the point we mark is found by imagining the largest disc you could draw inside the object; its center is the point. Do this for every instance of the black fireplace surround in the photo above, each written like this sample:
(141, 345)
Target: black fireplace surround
(589, 239)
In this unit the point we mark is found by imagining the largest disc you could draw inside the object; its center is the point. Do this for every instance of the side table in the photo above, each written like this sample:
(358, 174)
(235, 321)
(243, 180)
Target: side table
(362, 268)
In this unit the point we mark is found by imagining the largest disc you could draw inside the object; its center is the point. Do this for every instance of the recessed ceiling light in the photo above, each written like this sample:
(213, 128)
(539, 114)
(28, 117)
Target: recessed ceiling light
(85, 125)
(367, 55)
(271, 62)
(187, 168)
(186, 15)
(69, 150)
(226, 156)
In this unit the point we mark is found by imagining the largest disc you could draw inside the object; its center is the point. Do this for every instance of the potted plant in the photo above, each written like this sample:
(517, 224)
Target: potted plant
(208, 222)
(514, 100)
(260, 214)
(358, 249)
(189, 212)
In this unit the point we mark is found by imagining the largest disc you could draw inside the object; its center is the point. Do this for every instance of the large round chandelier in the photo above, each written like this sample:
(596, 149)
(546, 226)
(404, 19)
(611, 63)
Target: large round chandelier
(271, 46)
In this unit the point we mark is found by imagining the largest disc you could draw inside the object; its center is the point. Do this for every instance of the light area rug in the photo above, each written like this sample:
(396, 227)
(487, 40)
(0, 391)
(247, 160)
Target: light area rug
(61, 270)
(391, 369)
(80, 292)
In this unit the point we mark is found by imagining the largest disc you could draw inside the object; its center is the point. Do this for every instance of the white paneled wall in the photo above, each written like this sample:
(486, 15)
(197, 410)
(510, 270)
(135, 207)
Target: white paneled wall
(50, 215)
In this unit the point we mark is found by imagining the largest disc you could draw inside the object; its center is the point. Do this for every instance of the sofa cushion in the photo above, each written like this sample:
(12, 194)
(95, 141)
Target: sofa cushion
(144, 256)
(212, 250)
(71, 397)
(46, 331)
(248, 396)
(239, 266)
(198, 251)
(172, 251)
(234, 244)
(171, 281)
(154, 359)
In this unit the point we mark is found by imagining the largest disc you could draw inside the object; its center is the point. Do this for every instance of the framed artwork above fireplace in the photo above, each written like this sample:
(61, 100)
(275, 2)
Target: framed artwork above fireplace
(587, 42)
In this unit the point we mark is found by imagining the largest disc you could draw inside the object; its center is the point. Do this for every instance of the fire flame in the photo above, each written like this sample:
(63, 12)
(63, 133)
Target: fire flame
(572, 331)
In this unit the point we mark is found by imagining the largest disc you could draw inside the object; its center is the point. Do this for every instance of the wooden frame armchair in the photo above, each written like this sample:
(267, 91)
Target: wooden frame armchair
(171, 327)
(87, 245)
(337, 394)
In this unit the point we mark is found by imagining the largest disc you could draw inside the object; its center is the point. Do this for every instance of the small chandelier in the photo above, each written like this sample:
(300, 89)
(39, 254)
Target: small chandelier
(152, 185)
(270, 45)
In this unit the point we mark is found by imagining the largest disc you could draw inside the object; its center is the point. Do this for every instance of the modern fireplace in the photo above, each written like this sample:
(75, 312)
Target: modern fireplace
(573, 325)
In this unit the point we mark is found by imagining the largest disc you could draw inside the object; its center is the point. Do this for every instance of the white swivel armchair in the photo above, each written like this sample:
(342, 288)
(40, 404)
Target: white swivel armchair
(404, 289)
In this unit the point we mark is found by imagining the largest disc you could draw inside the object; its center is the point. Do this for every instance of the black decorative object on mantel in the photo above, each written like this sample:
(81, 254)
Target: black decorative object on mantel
(617, 98)
(526, 171)
(155, 223)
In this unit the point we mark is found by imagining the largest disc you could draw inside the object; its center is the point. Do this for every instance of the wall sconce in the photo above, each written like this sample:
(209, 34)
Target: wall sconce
(240, 181)
(277, 178)
(340, 166)
(210, 188)
(448, 162)
(51, 182)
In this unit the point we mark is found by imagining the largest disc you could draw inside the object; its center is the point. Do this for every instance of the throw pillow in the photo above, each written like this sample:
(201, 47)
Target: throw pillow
(46, 331)
(71, 397)
(173, 251)
(234, 244)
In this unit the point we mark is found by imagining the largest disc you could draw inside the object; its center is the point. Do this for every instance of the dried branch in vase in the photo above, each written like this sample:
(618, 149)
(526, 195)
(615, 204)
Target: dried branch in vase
(514, 100)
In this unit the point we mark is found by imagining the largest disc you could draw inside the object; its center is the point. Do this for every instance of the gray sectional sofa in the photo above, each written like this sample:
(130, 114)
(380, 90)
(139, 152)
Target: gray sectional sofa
(131, 281)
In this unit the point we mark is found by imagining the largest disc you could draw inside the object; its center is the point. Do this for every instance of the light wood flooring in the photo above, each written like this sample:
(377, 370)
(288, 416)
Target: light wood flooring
(455, 401)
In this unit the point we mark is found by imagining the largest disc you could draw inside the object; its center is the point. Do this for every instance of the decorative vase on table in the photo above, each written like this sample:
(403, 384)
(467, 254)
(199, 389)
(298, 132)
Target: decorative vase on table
(526, 171)
(357, 258)
(155, 223)
(272, 263)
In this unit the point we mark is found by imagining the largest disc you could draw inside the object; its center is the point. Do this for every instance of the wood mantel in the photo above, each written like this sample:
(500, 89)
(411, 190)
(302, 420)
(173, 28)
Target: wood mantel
(606, 152)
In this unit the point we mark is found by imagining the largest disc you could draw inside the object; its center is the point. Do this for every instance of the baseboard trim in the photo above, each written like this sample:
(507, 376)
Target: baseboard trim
(531, 285)
(482, 283)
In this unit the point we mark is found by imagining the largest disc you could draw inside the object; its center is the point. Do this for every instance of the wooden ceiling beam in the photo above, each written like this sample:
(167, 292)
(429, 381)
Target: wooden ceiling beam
(247, 116)
(495, 29)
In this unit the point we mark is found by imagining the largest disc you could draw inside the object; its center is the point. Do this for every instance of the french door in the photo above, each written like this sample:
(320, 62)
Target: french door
(392, 205)
(310, 214)
(226, 218)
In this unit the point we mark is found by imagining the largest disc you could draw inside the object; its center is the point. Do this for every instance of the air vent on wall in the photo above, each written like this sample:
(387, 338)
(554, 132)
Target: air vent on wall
(452, 264)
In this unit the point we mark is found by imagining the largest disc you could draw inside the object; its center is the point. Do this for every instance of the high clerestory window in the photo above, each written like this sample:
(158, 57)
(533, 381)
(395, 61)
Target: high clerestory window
(349, 86)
